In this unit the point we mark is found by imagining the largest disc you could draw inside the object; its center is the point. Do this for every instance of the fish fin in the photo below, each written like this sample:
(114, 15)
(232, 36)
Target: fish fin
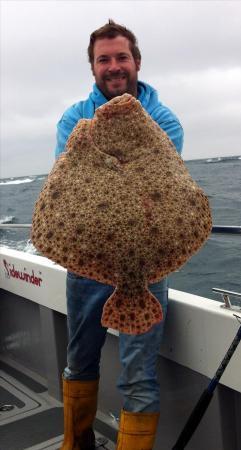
(131, 316)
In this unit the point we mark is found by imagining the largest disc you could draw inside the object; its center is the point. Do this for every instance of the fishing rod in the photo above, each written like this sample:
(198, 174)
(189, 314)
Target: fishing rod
(206, 397)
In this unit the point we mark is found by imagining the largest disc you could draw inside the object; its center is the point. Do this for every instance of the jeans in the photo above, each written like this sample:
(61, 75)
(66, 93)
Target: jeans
(138, 354)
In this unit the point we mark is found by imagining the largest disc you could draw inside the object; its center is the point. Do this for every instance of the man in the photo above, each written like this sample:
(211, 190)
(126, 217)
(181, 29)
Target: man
(115, 61)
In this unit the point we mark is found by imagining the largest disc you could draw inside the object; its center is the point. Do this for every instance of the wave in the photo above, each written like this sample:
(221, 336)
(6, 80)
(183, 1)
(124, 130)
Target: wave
(222, 159)
(25, 246)
(213, 160)
(17, 181)
(29, 248)
(7, 219)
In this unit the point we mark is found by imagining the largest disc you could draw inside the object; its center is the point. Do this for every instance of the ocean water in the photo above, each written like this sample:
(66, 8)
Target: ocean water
(217, 264)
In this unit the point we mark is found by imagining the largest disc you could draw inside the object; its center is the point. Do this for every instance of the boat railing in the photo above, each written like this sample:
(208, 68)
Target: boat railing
(226, 299)
(226, 229)
(223, 229)
(10, 226)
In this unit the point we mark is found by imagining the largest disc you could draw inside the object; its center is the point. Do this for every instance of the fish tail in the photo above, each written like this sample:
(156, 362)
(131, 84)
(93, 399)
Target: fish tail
(131, 316)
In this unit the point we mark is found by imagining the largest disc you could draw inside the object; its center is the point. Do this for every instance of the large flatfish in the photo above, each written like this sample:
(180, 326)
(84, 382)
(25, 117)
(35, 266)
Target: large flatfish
(120, 207)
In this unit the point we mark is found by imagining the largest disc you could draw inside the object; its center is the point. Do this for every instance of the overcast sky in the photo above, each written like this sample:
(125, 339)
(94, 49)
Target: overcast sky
(190, 54)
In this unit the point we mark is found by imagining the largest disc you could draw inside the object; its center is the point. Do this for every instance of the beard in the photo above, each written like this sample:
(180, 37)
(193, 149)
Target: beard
(117, 83)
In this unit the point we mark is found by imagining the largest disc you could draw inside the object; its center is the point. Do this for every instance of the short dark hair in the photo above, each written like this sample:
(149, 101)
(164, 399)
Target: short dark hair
(110, 30)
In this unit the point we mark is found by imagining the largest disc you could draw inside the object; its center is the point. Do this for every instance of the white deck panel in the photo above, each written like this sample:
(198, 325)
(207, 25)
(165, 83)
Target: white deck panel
(49, 292)
(198, 334)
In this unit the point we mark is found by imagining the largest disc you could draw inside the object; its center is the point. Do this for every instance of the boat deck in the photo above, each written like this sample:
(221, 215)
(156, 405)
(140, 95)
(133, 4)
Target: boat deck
(30, 419)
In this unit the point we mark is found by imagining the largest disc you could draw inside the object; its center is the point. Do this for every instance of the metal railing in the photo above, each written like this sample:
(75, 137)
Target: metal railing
(226, 229)
(10, 226)
(226, 299)
(223, 229)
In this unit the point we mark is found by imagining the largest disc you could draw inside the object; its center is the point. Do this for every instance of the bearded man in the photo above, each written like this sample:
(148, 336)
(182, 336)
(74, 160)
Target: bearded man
(115, 62)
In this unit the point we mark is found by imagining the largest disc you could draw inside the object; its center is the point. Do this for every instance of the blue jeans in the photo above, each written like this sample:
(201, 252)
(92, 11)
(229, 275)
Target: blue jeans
(138, 354)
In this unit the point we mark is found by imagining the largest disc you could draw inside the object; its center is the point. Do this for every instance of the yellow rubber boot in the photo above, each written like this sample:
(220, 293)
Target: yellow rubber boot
(137, 431)
(80, 405)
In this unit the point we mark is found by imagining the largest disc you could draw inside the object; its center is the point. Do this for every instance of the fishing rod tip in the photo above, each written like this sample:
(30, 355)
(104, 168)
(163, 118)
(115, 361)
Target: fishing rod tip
(238, 318)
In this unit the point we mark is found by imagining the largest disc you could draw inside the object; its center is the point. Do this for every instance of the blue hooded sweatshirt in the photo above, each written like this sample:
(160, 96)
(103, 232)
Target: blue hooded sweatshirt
(149, 100)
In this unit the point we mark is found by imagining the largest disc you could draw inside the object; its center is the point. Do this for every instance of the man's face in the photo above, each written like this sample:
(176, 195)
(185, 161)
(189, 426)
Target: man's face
(114, 67)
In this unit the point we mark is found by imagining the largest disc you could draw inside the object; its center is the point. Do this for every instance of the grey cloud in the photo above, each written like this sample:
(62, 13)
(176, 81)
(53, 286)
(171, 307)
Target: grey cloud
(191, 55)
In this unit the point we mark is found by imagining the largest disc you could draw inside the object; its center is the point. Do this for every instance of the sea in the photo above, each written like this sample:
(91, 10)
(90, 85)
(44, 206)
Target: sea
(216, 265)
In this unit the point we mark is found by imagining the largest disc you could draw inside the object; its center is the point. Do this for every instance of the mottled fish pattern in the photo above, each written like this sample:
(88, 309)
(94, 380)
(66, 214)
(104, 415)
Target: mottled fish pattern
(120, 207)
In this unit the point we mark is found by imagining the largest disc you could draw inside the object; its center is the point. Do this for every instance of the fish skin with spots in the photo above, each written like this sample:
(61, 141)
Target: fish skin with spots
(120, 207)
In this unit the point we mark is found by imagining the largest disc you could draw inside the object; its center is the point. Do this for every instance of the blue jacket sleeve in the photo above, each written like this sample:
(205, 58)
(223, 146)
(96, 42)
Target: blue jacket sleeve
(65, 126)
(170, 124)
